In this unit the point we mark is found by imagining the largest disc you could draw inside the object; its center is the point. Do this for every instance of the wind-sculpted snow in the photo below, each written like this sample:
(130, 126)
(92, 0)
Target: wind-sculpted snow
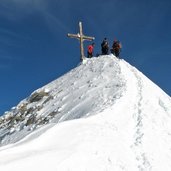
(116, 119)
(86, 90)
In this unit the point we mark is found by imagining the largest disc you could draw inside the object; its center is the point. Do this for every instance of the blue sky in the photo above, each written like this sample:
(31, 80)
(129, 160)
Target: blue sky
(35, 50)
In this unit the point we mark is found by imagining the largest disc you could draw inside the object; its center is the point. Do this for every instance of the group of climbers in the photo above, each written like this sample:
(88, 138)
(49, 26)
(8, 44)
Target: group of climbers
(115, 50)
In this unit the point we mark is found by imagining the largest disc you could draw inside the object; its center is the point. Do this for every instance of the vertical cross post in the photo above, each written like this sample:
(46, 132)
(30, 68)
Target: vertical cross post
(80, 36)
(81, 41)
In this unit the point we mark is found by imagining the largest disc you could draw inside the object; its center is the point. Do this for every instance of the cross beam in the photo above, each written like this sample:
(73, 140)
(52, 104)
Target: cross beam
(81, 37)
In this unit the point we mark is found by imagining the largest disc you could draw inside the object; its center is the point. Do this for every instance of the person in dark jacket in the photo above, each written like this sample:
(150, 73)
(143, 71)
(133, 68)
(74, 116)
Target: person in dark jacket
(105, 47)
(116, 48)
(90, 50)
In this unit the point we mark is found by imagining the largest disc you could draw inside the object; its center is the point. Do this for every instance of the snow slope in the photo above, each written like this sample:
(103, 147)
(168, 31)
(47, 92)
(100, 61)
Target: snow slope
(124, 123)
(86, 90)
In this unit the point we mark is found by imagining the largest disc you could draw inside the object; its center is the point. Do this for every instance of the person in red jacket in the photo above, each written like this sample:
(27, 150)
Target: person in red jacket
(90, 50)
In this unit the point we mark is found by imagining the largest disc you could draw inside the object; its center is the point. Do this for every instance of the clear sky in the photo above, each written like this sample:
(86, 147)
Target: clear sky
(35, 50)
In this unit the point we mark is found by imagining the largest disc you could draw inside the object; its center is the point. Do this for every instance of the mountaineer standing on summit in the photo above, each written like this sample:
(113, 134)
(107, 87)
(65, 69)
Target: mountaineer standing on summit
(116, 48)
(105, 46)
(90, 50)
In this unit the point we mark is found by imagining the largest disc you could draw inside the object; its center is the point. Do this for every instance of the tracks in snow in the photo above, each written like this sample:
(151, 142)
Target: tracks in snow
(143, 163)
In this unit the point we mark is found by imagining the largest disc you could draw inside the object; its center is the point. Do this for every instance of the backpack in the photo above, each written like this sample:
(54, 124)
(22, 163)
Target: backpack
(104, 44)
(116, 45)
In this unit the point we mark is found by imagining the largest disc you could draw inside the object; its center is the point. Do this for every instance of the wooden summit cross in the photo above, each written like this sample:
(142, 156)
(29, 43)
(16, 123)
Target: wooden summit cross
(80, 36)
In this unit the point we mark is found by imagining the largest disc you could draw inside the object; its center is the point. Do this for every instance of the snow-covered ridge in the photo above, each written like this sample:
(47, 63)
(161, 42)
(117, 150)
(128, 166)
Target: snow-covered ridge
(86, 90)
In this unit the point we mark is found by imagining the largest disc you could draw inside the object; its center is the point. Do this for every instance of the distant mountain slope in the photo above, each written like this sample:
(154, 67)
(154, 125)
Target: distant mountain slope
(124, 125)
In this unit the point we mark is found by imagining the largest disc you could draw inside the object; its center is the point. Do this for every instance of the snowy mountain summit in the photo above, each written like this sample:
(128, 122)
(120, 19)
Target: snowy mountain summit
(116, 119)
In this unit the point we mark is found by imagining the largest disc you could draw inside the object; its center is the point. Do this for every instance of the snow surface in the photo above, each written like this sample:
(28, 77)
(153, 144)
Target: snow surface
(116, 119)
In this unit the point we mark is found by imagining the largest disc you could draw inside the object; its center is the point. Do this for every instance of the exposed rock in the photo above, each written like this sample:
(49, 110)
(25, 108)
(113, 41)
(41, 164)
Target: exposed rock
(30, 121)
(37, 96)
